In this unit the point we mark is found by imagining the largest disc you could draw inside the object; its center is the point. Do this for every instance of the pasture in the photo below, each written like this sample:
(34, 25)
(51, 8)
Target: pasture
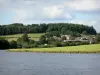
(34, 36)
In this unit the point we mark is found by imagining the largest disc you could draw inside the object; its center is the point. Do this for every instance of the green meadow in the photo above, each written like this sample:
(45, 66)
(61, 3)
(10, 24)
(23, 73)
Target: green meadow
(33, 36)
(94, 48)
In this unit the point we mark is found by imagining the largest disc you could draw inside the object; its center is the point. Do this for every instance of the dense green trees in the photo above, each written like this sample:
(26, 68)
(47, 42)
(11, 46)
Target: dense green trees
(98, 37)
(13, 44)
(4, 44)
(66, 28)
(47, 40)
(84, 33)
(42, 39)
(44, 42)
(25, 37)
(24, 42)
(55, 28)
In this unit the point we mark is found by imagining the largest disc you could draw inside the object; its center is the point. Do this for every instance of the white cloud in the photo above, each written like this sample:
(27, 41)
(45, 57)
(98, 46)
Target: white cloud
(56, 12)
(40, 13)
(83, 5)
(3, 4)
(68, 15)
(30, 11)
(91, 23)
(52, 12)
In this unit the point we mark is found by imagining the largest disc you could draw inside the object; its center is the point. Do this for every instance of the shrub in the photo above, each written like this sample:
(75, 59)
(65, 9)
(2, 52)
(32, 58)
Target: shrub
(42, 39)
(13, 44)
(31, 41)
(50, 40)
(19, 46)
(4, 44)
(98, 38)
(57, 44)
(25, 37)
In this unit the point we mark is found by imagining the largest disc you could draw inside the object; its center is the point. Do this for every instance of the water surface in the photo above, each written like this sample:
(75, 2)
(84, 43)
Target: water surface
(28, 63)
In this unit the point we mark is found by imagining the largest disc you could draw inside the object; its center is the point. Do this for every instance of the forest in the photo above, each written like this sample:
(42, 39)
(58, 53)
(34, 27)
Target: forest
(47, 39)
(60, 28)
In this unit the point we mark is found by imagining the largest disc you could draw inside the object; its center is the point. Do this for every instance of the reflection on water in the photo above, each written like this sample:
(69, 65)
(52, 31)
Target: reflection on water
(12, 63)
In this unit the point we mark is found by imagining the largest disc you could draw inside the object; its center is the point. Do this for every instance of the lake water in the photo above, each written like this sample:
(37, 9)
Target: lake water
(13, 63)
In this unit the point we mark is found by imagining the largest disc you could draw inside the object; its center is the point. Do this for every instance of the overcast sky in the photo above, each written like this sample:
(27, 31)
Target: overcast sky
(50, 11)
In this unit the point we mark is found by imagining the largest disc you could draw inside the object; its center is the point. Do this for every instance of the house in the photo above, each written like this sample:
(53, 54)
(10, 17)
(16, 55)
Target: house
(68, 37)
(65, 38)
(56, 38)
(92, 40)
(78, 38)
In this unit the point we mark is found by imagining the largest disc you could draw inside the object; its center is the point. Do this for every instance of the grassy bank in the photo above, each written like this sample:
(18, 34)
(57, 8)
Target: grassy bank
(34, 36)
(95, 48)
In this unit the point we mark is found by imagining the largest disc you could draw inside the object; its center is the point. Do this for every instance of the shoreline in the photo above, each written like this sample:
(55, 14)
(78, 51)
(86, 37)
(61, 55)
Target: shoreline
(71, 52)
(94, 48)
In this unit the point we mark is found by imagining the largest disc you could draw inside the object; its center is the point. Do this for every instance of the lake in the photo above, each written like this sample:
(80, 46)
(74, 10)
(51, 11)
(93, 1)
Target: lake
(28, 63)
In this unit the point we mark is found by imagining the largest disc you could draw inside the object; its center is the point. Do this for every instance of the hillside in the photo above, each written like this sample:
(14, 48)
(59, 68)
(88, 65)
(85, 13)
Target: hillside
(34, 36)
(61, 28)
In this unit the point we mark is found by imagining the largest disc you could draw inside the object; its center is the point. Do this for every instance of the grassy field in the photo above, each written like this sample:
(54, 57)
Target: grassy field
(34, 36)
(94, 48)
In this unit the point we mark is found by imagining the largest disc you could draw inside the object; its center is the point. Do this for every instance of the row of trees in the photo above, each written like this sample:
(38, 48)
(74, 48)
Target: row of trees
(57, 28)
(20, 28)
(44, 41)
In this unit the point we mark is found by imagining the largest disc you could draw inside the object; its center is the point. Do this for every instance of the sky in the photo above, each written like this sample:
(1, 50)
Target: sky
(50, 11)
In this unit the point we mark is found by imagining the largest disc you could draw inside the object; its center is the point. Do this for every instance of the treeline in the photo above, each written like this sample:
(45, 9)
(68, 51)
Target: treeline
(57, 28)
(17, 28)
(44, 42)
